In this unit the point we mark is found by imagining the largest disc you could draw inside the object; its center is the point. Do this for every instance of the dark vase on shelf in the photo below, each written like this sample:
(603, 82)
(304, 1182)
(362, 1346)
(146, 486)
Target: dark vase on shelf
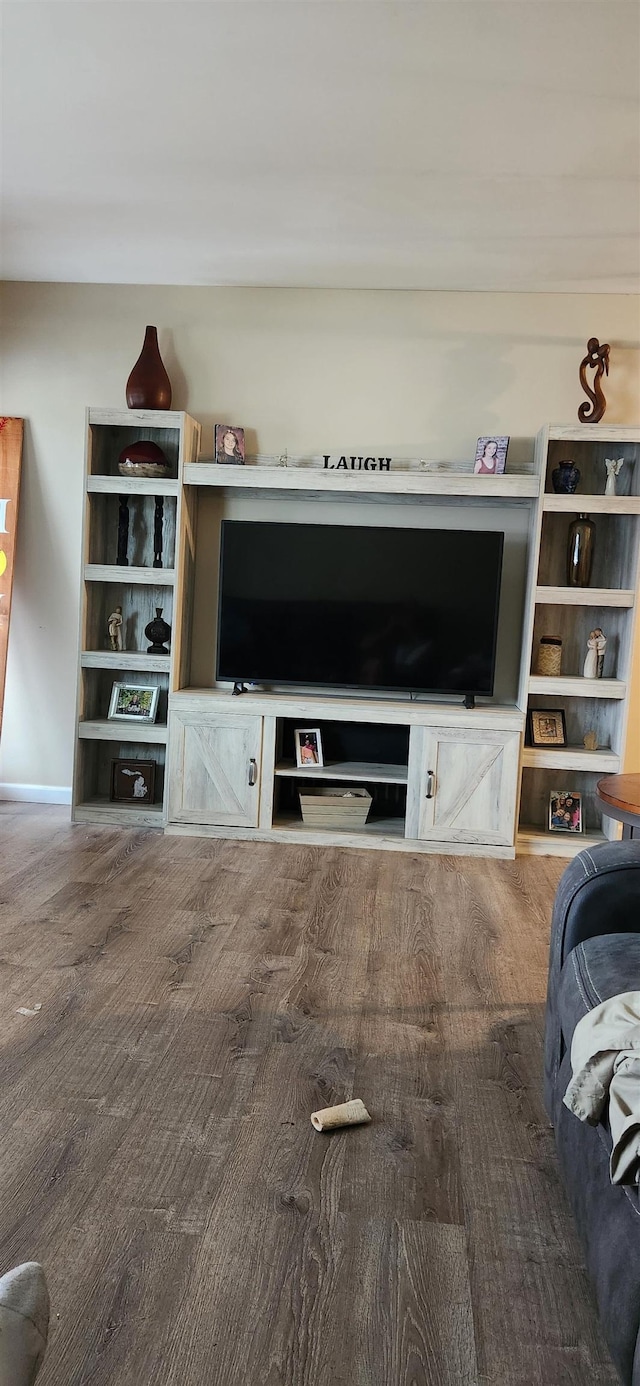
(565, 478)
(148, 386)
(580, 549)
(158, 631)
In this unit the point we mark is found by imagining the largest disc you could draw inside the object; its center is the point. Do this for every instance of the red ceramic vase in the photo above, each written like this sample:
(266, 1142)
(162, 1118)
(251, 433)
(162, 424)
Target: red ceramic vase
(148, 386)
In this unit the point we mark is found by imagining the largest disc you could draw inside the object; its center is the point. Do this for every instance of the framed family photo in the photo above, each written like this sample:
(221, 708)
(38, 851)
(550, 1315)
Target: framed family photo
(565, 811)
(133, 780)
(229, 445)
(491, 456)
(134, 702)
(547, 727)
(308, 747)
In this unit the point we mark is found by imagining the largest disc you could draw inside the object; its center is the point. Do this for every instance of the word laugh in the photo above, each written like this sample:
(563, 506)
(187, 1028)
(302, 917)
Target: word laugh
(357, 464)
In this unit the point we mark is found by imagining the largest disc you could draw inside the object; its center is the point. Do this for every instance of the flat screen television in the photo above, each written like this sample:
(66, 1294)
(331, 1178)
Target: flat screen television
(350, 606)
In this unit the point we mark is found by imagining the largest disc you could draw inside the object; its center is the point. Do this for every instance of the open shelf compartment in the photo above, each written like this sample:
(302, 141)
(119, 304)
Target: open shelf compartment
(573, 625)
(96, 688)
(139, 603)
(104, 515)
(94, 777)
(537, 786)
(368, 755)
(111, 431)
(614, 550)
(588, 454)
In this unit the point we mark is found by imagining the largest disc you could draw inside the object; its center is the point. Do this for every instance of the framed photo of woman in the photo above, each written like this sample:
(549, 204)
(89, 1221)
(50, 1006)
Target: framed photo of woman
(491, 456)
(229, 445)
(308, 748)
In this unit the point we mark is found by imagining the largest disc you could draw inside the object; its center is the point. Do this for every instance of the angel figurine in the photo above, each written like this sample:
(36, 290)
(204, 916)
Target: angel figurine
(613, 470)
(594, 662)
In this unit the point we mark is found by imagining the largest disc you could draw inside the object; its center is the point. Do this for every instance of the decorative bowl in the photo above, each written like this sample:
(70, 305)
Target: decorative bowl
(143, 459)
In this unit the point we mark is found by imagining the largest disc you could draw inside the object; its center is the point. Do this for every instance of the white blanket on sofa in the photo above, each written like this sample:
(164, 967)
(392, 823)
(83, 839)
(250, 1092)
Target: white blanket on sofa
(605, 1059)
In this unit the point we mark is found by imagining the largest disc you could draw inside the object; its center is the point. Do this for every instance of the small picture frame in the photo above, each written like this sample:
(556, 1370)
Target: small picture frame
(133, 702)
(133, 781)
(229, 445)
(547, 727)
(565, 811)
(491, 456)
(308, 748)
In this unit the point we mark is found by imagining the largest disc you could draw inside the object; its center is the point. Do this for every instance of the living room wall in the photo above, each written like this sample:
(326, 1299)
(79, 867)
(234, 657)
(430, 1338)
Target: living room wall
(402, 373)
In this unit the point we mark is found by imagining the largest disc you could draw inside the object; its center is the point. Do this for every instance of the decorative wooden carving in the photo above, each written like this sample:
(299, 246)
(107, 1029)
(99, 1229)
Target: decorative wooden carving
(597, 358)
(123, 532)
(10, 465)
(158, 518)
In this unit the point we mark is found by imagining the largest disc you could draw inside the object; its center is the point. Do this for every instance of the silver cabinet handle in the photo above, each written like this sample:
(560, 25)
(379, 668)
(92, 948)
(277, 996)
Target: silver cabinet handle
(253, 771)
(431, 784)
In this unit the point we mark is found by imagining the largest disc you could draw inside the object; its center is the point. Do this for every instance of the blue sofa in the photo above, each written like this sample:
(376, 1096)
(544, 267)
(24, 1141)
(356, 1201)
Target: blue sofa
(594, 954)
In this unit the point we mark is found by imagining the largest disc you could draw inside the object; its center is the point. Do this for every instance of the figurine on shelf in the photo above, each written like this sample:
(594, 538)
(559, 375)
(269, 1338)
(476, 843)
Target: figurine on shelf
(591, 740)
(114, 627)
(613, 470)
(594, 662)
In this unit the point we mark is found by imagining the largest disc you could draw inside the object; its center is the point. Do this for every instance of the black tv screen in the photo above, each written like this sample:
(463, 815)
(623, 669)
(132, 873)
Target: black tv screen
(349, 606)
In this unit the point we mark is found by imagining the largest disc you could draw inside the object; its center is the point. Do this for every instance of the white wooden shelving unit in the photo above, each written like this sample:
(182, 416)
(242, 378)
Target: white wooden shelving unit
(444, 779)
(554, 609)
(138, 588)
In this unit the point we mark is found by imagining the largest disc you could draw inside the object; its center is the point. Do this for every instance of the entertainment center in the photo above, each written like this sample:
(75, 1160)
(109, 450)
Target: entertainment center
(442, 777)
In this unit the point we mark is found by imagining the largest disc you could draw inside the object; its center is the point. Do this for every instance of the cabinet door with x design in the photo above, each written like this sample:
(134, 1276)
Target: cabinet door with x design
(462, 785)
(215, 769)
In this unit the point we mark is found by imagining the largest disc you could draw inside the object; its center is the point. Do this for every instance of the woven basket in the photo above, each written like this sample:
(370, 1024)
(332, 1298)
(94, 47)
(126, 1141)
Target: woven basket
(335, 808)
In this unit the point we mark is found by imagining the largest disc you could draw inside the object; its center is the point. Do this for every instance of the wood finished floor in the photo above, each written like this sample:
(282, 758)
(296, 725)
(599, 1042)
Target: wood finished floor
(199, 1000)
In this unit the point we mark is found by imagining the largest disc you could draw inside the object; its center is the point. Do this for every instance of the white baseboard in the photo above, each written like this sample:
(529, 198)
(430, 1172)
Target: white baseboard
(36, 793)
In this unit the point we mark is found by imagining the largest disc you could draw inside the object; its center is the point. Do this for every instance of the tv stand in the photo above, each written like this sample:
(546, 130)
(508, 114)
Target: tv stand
(469, 701)
(238, 689)
(232, 772)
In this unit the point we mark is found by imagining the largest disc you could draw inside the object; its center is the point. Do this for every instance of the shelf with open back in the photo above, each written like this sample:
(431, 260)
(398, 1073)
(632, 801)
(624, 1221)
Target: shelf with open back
(556, 610)
(123, 660)
(141, 516)
(391, 485)
(602, 761)
(352, 771)
(585, 596)
(591, 505)
(573, 686)
(112, 572)
(532, 841)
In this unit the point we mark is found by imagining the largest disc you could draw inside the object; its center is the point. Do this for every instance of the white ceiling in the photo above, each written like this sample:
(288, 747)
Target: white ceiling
(433, 144)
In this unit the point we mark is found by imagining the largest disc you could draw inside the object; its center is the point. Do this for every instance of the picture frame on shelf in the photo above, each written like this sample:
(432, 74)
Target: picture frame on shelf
(134, 702)
(133, 781)
(229, 445)
(565, 811)
(491, 456)
(547, 727)
(308, 748)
